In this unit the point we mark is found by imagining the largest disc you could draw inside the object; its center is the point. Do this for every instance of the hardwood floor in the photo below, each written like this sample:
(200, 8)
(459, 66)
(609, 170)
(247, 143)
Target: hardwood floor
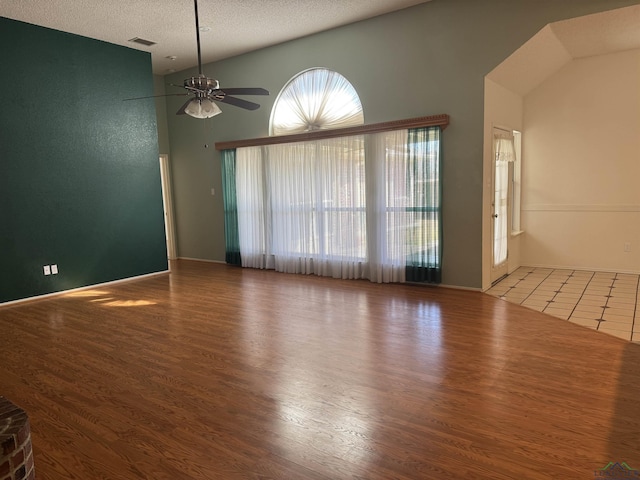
(217, 372)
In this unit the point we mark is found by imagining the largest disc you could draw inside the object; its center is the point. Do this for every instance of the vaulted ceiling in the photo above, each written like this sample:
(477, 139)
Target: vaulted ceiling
(559, 43)
(228, 27)
(233, 27)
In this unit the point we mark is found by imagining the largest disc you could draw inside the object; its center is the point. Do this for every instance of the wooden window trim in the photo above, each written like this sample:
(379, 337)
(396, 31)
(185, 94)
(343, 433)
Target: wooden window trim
(431, 121)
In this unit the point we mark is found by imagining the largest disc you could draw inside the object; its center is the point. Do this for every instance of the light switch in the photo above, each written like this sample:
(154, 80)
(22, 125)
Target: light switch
(47, 270)
(54, 269)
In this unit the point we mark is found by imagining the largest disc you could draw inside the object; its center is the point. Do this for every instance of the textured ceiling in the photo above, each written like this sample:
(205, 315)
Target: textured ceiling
(236, 26)
(602, 33)
(560, 42)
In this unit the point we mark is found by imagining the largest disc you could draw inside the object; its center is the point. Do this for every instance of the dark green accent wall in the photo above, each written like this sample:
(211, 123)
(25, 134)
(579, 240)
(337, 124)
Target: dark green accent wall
(424, 60)
(79, 172)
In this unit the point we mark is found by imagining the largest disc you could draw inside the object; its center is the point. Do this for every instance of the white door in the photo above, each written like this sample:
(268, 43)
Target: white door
(504, 156)
(167, 202)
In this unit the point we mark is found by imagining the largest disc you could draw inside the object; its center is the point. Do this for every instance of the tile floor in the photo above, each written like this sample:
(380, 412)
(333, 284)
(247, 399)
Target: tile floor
(607, 302)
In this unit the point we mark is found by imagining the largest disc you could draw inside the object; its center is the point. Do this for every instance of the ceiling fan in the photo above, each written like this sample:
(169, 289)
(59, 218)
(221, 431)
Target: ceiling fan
(206, 91)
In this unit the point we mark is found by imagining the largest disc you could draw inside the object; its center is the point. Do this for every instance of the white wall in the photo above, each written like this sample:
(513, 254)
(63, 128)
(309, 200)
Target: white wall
(503, 108)
(581, 167)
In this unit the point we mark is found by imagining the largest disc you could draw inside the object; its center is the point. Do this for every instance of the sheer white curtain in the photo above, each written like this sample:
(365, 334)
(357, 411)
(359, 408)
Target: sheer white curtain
(504, 153)
(301, 207)
(253, 228)
(318, 207)
(387, 216)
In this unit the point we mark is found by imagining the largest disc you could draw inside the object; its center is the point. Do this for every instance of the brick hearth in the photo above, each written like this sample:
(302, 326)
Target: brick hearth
(16, 457)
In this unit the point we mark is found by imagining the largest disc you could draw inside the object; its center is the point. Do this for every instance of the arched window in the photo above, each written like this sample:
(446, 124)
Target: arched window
(313, 203)
(315, 99)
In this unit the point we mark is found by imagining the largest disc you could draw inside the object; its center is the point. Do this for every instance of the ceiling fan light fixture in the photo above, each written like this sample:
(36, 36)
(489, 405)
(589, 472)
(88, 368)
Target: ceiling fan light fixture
(202, 108)
(206, 89)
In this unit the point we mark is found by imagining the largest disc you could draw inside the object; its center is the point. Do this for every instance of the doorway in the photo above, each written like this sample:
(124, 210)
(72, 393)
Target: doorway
(504, 185)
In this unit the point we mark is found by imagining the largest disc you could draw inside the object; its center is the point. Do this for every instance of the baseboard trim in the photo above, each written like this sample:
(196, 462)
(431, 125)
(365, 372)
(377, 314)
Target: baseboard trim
(459, 287)
(583, 268)
(442, 285)
(201, 260)
(48, 296)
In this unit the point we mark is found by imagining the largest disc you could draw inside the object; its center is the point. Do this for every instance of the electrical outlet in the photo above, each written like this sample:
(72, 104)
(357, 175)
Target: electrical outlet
(627, 247)
(47, 270)
(54, 269)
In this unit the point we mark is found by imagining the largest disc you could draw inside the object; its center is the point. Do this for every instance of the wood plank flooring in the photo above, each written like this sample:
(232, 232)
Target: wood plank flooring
(217, 372)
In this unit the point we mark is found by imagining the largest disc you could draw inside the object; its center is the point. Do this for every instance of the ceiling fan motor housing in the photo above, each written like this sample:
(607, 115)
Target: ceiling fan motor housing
(201, 83)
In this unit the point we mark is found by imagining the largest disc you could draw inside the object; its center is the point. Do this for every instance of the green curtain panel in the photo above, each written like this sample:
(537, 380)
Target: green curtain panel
(232, 238)
(425, 177)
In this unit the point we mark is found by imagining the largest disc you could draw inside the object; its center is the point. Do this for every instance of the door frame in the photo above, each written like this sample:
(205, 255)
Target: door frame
(501, 270)
(167, 205)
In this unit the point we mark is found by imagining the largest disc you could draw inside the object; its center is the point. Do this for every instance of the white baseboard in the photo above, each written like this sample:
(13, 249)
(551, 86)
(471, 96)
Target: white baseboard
(458, 287)
(442, 285)
(583, 268)
(201, 260)
(79, 289)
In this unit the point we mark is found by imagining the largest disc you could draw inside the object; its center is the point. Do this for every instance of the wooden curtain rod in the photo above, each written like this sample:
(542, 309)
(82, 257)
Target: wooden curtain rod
(431, 121)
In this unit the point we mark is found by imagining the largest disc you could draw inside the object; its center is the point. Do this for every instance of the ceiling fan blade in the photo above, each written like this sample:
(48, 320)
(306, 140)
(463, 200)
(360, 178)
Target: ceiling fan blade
(245, 91)
(181, 110)
(157, 96)
(237, 102)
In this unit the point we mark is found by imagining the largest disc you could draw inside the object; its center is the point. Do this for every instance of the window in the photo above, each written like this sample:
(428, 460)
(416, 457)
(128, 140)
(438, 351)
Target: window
(351, 206)
(316, 99)
(362, 206)
(516, 183)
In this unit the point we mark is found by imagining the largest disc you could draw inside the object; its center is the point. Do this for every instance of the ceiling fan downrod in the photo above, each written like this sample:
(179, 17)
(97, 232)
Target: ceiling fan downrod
(195, 5)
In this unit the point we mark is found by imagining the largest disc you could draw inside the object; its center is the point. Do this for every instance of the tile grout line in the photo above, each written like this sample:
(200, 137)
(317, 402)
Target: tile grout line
(635, 310)
(536, 287)
(608, 299)
(603, 308)
(555, 294)
(582, 295)
(511, 287)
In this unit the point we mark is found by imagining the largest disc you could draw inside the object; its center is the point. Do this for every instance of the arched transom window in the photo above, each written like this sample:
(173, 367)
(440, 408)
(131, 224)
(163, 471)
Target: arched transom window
(316, 99)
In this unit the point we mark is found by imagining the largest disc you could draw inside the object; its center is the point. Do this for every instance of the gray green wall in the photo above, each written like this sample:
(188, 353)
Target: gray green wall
(425, 60)
(159, 88)
(79, 171)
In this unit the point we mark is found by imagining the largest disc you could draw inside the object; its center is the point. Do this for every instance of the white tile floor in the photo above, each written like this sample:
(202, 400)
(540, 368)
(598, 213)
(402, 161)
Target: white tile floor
(607, 302)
